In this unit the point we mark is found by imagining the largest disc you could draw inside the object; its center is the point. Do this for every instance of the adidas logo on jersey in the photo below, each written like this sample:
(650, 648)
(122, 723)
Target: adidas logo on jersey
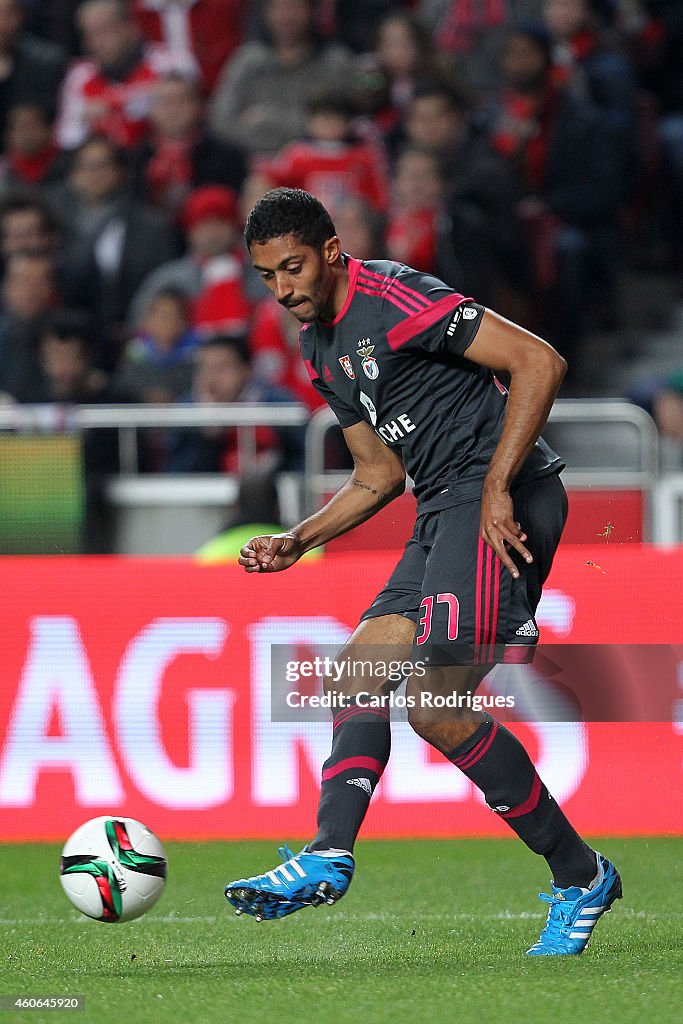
(528, 629)
(363, 784)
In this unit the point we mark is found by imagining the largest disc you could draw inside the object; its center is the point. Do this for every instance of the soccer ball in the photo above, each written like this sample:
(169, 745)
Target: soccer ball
(113, 869)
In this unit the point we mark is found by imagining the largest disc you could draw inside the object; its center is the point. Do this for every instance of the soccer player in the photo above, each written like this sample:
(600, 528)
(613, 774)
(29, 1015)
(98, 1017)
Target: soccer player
(408, 366)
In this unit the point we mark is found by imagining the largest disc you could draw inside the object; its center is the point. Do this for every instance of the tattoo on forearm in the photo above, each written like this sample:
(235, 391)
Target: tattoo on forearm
(381, 498)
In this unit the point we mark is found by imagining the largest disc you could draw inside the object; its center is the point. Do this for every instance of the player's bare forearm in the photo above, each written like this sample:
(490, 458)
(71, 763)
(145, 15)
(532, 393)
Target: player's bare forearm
(536, 372)
(377, 478)
(361, 497)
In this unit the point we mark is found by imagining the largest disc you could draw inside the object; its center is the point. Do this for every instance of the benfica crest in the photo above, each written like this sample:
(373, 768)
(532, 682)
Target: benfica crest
(347, 366)
(370, 368)
(368, 362)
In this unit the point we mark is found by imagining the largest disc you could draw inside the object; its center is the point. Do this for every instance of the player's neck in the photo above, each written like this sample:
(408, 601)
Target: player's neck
(339, 290)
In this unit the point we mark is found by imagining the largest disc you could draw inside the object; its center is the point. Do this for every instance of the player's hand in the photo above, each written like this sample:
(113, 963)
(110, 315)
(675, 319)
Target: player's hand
(499, 529)
(270, 553)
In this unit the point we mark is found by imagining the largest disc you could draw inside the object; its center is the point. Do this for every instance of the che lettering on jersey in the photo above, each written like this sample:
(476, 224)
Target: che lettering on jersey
(396, 429)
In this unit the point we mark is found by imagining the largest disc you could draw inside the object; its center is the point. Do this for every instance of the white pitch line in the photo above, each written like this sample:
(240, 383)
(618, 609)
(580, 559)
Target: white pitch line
(525, 915)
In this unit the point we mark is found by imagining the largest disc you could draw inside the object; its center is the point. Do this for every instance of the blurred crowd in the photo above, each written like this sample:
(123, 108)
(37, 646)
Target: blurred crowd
(521, 150)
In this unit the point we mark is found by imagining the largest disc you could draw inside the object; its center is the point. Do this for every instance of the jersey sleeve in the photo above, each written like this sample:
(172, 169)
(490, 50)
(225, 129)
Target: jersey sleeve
(344, 413)
(421, 312)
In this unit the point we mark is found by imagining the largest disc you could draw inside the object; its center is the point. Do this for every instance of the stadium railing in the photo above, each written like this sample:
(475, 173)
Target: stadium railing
(128, 419)
(611, 447)
(668, 510)
(163, 513)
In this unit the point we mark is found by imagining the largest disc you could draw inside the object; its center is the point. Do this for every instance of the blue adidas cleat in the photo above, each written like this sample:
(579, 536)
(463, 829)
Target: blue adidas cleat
(574, 912)
(304, 880)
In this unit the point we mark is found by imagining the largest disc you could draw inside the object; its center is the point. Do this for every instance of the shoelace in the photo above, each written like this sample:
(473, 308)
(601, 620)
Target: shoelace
(559, 915)
(286, 853)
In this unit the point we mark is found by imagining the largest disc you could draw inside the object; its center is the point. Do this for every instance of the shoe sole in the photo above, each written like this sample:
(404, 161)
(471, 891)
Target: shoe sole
(256, 902)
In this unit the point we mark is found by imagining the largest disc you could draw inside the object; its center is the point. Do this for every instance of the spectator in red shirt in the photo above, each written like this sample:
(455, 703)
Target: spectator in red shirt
(32, 158)
(223, 375)
(212, 272)
(109, 92)
(405, 54)
(418, 191)
(208, 30)
(180, 154)
(331, 163)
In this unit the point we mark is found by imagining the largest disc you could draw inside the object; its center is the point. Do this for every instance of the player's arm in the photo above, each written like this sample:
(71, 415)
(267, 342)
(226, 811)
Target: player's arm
(377, 478)
(536, 371)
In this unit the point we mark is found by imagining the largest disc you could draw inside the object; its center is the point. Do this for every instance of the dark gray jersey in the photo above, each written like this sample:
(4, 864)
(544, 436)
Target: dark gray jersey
(394, 357)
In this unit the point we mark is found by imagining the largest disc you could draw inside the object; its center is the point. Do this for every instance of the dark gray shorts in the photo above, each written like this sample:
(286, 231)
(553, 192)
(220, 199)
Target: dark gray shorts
(467, 606)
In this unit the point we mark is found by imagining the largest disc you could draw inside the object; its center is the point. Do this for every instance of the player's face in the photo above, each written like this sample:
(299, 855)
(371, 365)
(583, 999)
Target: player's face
(299, 276)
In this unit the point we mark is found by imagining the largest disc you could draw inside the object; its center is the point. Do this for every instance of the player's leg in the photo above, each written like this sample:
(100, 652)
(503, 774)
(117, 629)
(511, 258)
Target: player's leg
(492, 757)
(484, 609)
(361, 738)
(361, 744)
(322, 871)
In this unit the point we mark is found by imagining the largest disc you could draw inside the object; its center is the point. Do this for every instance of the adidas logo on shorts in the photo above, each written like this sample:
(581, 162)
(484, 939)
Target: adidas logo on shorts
(363, 784)
(528, 629)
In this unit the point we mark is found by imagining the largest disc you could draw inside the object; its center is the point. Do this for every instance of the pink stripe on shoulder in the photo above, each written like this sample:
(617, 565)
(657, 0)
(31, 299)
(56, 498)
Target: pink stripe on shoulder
(386, 295)
(419, 322)
(396, 282)
(388, 288)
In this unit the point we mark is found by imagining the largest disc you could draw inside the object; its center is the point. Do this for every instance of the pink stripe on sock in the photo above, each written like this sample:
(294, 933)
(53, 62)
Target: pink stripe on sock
(473, 750)
(471, 758)
(371, 763)
(530, 804)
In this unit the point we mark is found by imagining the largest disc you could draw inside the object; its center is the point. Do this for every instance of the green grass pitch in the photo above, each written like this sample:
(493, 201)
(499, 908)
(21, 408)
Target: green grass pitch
(430, 931)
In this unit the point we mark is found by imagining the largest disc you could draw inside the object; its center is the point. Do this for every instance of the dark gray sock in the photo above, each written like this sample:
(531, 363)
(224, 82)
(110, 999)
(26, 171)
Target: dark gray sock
(500, 767)
(360, 750)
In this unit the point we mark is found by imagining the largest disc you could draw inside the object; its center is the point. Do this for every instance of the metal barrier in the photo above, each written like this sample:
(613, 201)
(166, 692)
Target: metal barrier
(605, 443)
(128, 419)
(668, 510)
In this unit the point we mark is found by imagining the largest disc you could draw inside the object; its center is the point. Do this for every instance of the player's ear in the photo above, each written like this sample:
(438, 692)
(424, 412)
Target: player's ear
(331, 250)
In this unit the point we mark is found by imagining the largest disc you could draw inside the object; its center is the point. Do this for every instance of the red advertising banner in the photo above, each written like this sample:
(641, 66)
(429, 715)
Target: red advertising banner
(142, 687)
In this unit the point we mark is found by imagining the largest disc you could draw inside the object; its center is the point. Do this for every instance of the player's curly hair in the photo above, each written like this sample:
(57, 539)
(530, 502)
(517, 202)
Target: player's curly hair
(289, 211)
